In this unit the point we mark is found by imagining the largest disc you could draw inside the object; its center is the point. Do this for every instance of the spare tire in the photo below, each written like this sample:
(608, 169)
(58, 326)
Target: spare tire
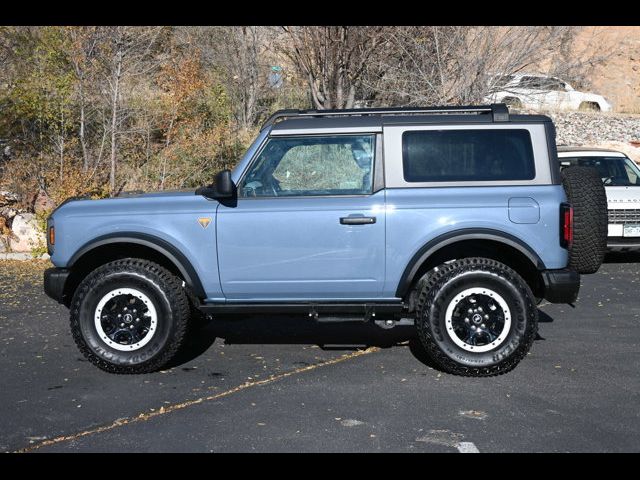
(587, 196)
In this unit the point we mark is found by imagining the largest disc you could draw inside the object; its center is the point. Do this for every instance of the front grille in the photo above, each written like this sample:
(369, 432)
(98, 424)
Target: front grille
(624, 216)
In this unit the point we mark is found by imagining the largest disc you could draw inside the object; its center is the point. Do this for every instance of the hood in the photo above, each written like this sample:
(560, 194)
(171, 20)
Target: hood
(623, 197)
(163, 193)
(131, 203)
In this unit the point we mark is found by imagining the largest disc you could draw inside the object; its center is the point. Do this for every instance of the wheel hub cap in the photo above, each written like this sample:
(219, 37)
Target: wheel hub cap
(478, 320)
(126, 319)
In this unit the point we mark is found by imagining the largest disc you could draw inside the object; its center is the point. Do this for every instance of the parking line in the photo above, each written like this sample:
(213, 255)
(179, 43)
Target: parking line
(467, 447)
(143, 417)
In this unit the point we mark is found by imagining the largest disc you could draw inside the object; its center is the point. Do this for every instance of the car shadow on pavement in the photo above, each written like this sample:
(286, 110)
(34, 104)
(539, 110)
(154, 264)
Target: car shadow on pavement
(255, 330)
(622, 257)
(543, 317)
(280, 330)
(303, 330)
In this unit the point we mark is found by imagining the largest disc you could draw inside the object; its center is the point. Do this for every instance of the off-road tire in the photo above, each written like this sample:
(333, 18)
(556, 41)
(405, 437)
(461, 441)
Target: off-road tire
(439, 288)
(586, 193)
(170, 301)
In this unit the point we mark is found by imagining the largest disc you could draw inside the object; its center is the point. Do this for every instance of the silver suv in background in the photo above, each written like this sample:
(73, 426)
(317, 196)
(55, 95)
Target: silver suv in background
(542, 92)
(621, 178)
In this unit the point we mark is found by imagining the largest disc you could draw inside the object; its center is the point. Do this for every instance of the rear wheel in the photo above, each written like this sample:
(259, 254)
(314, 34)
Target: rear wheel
(475, 317)
(130, 316)
(513, 102)
(589, 107)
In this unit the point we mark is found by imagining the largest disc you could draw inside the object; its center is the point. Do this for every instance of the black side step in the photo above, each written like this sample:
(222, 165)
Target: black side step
(315, 310)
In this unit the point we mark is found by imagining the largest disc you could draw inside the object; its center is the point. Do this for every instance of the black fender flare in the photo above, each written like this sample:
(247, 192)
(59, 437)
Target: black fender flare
(158, 244)
(455, 236)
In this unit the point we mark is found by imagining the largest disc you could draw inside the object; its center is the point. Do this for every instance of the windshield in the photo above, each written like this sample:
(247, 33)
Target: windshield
(615, 171)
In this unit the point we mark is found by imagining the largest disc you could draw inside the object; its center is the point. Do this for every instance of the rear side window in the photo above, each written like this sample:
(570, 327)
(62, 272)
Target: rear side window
(467, 155)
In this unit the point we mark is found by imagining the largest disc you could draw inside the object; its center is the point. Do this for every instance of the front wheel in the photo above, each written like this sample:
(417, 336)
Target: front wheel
(475, 317)
(130, 316)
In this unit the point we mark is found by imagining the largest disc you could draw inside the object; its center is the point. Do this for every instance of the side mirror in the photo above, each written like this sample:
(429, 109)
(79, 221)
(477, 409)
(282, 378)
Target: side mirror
(222, 188)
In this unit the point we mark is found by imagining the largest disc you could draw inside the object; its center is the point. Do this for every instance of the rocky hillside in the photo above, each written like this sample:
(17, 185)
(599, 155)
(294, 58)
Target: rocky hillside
(617, 131)
(617, 76)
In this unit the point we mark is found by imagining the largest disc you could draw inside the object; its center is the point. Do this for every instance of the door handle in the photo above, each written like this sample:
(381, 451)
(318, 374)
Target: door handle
(357, 220)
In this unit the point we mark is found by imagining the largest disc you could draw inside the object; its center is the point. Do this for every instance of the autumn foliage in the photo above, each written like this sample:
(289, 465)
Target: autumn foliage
(99, 110)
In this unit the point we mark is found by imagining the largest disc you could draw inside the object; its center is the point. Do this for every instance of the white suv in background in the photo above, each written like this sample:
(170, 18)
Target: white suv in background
(541, 92)
(621, 178)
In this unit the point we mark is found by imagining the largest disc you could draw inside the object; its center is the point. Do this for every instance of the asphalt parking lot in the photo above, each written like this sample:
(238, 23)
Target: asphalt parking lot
(284, 385)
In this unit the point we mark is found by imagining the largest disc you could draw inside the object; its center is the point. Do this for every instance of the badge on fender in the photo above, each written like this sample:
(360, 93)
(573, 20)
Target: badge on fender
(204, 221)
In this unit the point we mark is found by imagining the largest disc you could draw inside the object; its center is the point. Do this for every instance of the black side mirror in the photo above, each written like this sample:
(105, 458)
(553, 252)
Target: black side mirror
(222, 188)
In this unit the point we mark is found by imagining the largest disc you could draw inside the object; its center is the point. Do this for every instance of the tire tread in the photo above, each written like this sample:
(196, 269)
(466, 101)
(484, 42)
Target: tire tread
(178, 300)
(430, 284)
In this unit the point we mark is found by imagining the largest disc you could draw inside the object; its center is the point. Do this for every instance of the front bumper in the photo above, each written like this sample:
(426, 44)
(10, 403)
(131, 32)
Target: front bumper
(623, 244)
(54, 283)
(561, 286)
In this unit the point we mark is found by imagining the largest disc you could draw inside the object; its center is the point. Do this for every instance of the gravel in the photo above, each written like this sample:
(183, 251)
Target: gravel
(578, 128)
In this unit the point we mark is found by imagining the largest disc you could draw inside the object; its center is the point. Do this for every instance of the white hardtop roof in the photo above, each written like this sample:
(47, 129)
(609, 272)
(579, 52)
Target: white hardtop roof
(587, 152)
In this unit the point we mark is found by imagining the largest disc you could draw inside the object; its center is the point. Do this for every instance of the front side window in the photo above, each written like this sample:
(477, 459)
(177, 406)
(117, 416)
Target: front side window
(467, 155)
(311, 166)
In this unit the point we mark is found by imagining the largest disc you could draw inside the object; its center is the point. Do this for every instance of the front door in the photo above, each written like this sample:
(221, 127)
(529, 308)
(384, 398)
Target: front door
(307, 224)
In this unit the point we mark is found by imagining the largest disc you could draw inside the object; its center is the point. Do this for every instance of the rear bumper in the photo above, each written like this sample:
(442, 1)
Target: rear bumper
(561, 286)
(54, 282)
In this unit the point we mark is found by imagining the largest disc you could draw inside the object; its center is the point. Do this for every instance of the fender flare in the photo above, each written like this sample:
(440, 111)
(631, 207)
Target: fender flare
(456, 236)
(161, 246)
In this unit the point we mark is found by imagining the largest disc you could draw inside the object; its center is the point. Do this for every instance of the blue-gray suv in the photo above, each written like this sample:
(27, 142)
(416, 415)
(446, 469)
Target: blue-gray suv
(457, 218)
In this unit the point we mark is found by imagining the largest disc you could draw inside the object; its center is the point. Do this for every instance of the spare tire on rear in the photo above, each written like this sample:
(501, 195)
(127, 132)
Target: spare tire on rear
(588, 198)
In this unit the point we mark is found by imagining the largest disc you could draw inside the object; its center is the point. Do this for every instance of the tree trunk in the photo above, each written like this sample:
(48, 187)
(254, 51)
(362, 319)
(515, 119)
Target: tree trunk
(164, 160)
(83, 142)
(114, 120)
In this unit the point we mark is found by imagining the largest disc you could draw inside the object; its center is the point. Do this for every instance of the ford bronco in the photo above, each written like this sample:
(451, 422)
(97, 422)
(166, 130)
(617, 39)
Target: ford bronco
(457, 218)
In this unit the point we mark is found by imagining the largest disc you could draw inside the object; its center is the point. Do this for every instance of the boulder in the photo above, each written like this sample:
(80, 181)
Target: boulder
(5, 234)
(8, 213)
(43, 203)
(26, 233)
(8, 198)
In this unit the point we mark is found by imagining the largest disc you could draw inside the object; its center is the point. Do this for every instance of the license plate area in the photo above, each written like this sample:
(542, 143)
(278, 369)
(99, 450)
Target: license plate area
(631, 230)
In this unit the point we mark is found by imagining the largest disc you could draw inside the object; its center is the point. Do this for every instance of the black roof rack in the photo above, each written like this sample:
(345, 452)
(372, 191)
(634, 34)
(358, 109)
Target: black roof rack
(499, 112)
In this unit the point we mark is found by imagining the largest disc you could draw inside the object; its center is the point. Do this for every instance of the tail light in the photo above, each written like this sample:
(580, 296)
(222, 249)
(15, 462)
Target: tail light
(566, 225)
